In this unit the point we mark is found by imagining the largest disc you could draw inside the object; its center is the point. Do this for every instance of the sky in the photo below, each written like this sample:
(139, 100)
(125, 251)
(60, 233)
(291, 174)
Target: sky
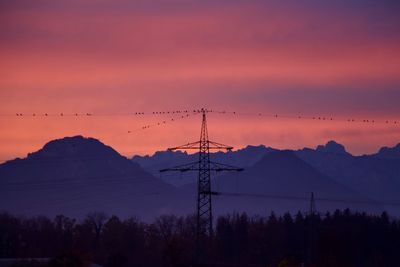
(334, 58)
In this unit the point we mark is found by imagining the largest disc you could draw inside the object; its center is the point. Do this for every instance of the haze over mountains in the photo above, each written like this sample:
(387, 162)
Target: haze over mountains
(76, 175)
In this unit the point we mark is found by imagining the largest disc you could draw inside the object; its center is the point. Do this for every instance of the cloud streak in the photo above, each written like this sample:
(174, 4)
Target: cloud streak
(332, 57)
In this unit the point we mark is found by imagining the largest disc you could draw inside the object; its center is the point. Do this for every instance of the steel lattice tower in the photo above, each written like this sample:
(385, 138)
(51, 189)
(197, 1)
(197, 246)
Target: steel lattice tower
(312, 205)
(204, 166)
(204, 207)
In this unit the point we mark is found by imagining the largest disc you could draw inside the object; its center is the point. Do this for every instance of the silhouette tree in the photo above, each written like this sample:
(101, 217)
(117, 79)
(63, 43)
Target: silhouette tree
(343, 239)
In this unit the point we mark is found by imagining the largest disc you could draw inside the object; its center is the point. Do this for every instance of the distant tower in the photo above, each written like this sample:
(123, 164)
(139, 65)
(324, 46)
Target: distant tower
(204, 166)
(312, 204)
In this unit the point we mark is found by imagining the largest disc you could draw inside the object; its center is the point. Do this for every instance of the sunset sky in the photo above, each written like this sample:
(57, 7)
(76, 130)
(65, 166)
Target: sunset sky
(335, 58)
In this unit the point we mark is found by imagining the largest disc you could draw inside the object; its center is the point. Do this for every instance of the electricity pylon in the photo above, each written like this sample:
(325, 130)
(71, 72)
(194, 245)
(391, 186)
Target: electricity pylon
(204, 166)
(312, 210)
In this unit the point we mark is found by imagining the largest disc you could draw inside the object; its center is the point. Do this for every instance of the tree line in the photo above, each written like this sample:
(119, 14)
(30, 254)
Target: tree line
(342, 238)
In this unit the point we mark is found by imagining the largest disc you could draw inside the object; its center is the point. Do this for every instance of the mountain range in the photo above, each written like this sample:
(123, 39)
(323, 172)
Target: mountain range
(77, 175)
(376, 176)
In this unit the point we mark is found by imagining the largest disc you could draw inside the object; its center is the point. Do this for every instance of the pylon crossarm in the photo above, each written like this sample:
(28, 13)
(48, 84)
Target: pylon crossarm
(215, 166)
(210, 193)
(215, 145)
(193, 145)
(196, 145)
(193, 166)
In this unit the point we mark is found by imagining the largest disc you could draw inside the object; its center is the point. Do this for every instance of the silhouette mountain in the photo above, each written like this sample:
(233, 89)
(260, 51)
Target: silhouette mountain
(389, 152)
(77, 175)
(282, 172)
(375, 176)
(332, 147)
(370, 175)
(289, 181)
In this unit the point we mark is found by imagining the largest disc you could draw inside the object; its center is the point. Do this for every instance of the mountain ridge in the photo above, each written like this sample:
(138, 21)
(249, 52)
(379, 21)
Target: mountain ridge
(76, 174)
(375, 176)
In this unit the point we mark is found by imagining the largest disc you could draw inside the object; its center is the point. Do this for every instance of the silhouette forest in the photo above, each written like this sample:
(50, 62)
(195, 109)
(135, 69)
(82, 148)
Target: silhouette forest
(342, 238)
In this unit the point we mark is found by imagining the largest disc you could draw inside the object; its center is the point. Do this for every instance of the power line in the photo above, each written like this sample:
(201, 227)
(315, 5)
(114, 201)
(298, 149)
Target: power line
(48, 184)
(160, 123)
(348, 119)
(307, 199)
(99, 114)
(182, 114)
(320, 118)
(85, 180)
(75, 198)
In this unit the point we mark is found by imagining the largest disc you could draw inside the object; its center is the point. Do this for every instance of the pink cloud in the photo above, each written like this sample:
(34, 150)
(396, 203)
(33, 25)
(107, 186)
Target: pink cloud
(127, 55)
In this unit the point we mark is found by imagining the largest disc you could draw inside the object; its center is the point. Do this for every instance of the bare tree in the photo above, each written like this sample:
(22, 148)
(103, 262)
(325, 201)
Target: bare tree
(96, 220)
